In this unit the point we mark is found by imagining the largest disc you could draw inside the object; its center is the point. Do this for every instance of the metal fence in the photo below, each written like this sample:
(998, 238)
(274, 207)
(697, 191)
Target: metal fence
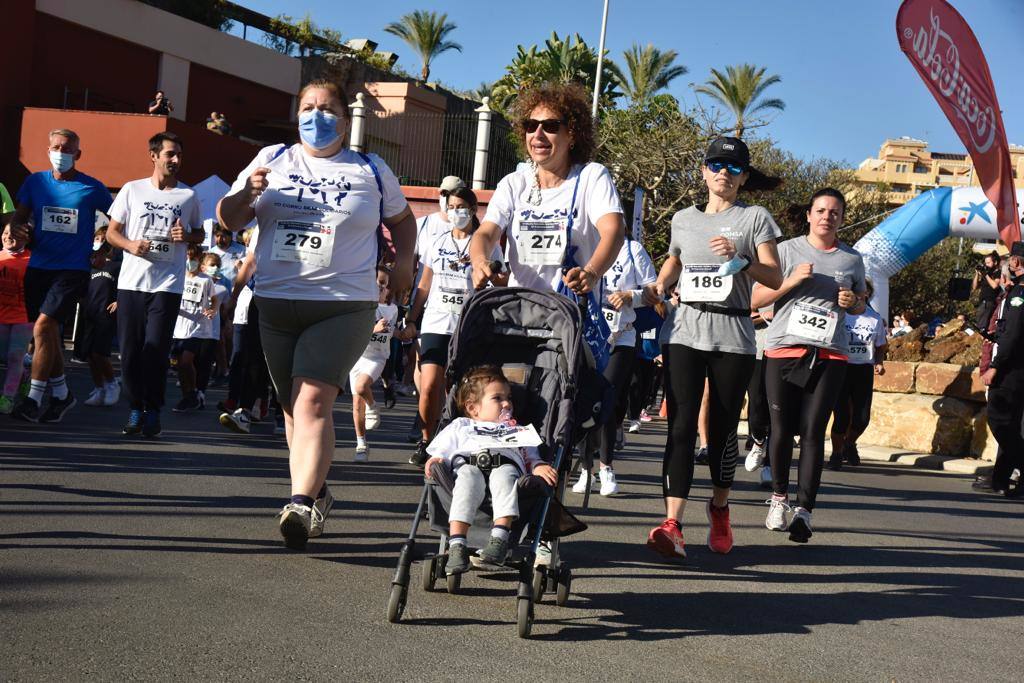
(422, 149)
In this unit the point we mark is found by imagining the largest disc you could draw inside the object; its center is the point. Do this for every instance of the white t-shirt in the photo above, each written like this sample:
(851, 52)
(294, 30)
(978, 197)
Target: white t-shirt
(149, 213)
(379, 347)
(458, 439)
(866, 332)
(197, 296)
(427, 230)
(537, 234)
(229, 259)
(630, 272)
(450, 284)
(318, 224)
(221, 292)
(245, 295)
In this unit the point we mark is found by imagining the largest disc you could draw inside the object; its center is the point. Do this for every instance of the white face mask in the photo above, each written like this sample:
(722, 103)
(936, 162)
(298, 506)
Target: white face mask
(459, 217)
(210, 270)
(61, 161)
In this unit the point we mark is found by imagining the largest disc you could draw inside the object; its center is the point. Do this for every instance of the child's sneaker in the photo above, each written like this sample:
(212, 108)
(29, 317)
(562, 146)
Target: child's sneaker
(495, 552)
(458, 559)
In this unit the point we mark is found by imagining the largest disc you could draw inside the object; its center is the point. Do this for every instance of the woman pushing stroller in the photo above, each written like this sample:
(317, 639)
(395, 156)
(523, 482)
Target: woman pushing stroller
(485, 399)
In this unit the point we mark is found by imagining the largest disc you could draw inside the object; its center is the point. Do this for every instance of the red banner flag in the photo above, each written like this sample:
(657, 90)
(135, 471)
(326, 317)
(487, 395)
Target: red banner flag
(943, 49)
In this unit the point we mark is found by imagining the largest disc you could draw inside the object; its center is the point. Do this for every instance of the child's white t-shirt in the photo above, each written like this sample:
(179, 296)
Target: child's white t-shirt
(459, 438)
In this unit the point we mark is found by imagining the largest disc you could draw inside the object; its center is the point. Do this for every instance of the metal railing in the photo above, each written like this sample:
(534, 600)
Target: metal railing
(422, 148)
(90, 100)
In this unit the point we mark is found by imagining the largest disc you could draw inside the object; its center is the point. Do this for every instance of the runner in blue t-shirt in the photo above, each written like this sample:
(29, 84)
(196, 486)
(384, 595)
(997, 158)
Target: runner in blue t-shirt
(56, 212)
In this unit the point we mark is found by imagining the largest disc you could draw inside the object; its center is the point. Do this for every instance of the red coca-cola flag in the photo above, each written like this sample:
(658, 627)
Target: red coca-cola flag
(943, 49)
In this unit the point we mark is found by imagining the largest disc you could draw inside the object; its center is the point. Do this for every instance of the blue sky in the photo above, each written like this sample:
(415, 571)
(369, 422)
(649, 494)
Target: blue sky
(845, 82)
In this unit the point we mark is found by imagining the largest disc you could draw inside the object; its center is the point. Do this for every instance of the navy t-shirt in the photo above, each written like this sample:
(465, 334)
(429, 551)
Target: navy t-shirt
(64, 213)
(102, 292)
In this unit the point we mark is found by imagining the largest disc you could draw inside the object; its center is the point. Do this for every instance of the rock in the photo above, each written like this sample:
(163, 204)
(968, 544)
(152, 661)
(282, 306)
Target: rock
(944, 379)
(952, 327)
(898, 378)
(958, 344)
(983, 444)
(922, 424)
(971, 353)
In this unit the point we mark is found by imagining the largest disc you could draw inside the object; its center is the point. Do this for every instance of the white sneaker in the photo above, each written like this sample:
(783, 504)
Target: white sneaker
(776, 519)
(634, 426)
(237, 421)
(583, 483)
(800, 527)
(766, 476)
(318, 514)
(95, 398)
(609, 487)
(294, 524)
(362, 454)
(543, 558)
(754, 457)
(372, 418)
(113, 394)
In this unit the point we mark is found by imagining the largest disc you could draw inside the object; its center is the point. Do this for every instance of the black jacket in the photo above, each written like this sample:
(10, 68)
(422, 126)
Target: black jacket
(1010, 330)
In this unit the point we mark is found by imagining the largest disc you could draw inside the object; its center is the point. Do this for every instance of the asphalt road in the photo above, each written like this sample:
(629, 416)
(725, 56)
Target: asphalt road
(131, 559)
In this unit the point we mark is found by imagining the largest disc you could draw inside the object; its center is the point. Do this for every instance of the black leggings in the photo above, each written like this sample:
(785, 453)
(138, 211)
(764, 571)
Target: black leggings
(640, 386)
(758, 420)
(804, 411)
(620, 364)
(853, 409)
(685, 370)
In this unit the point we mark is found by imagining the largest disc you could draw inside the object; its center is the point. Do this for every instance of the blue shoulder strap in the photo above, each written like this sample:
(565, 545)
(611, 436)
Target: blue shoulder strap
(376, 176)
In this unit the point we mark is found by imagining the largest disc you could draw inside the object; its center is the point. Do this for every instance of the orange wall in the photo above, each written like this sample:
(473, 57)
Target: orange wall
(115, 146)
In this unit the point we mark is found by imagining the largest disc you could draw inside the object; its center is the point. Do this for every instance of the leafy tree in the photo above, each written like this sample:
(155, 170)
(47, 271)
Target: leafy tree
(290, 35)
(562, 61)
(649, 71)
(739, 89)
(425, 32)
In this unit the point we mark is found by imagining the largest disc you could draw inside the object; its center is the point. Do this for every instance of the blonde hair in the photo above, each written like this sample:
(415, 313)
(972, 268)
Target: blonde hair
(71, 135)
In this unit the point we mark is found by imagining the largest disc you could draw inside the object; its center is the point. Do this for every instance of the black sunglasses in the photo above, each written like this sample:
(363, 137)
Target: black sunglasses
(550, 126)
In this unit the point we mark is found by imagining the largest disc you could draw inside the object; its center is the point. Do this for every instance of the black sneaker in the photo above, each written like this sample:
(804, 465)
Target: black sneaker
(151, 423)
(134, 424)
(800, 526)
(57, 408)
(188, 402)
(851, 455)
(702, 456)
(458, 559)
(835, 461)
(26, 409)
(419, 456)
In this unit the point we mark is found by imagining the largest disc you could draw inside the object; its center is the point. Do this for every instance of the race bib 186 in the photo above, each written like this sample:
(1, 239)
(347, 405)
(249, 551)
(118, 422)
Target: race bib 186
(541, 243)
(300, 242)
(815, 323)
(701, 282)
(59, 219)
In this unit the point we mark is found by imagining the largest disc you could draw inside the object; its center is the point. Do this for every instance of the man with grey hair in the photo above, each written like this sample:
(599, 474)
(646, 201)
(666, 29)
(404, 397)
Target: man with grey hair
(56, 215)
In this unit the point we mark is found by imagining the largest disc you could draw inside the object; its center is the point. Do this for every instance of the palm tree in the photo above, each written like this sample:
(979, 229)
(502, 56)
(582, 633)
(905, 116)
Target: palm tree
(425, 33)
(739, 89)
(650, 70)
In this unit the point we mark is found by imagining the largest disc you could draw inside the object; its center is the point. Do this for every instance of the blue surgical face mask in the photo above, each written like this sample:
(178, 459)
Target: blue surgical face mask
(318, 128)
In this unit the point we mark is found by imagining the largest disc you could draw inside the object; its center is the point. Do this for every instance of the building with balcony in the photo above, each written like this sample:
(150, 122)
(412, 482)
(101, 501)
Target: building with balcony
(906, 168)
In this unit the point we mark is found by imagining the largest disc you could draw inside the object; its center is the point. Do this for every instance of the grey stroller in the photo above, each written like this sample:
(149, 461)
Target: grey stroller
(535, 337)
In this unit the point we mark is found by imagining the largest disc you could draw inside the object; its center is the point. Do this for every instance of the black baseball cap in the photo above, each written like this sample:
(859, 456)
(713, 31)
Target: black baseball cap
(735, 151)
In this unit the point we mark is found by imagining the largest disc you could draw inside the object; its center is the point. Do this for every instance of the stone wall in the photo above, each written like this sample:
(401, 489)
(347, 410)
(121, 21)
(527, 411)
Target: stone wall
(930, 408)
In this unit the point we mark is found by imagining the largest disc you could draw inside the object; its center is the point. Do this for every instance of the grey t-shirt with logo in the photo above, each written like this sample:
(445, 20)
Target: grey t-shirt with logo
(810, 313)
(748, 227)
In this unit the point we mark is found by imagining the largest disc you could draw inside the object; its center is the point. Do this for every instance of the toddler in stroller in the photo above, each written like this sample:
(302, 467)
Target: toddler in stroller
(484, 397)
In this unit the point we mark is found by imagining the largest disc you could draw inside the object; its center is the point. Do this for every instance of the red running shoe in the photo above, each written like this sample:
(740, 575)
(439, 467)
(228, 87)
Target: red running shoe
(719, 531)
(667, 539)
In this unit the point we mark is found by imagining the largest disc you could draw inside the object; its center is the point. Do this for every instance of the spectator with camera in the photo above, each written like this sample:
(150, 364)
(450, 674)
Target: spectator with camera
(986, 280)
(160, 105)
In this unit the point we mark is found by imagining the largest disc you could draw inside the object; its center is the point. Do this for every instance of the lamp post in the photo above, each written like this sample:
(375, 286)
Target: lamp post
(600, 60)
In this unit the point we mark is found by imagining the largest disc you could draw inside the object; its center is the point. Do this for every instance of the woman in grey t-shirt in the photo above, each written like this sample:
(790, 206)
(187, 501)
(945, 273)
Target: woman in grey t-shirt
(806, 353)
(717, 252)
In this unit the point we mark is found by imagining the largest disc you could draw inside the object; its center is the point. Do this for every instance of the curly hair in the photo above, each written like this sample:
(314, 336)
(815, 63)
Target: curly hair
(473, 383)
(571, 102)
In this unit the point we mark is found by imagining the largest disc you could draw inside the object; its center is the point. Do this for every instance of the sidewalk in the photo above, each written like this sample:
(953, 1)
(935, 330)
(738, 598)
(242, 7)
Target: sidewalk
(928, 461)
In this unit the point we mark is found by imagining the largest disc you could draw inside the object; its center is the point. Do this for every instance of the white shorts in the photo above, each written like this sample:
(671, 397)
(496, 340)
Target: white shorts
(367, 366)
